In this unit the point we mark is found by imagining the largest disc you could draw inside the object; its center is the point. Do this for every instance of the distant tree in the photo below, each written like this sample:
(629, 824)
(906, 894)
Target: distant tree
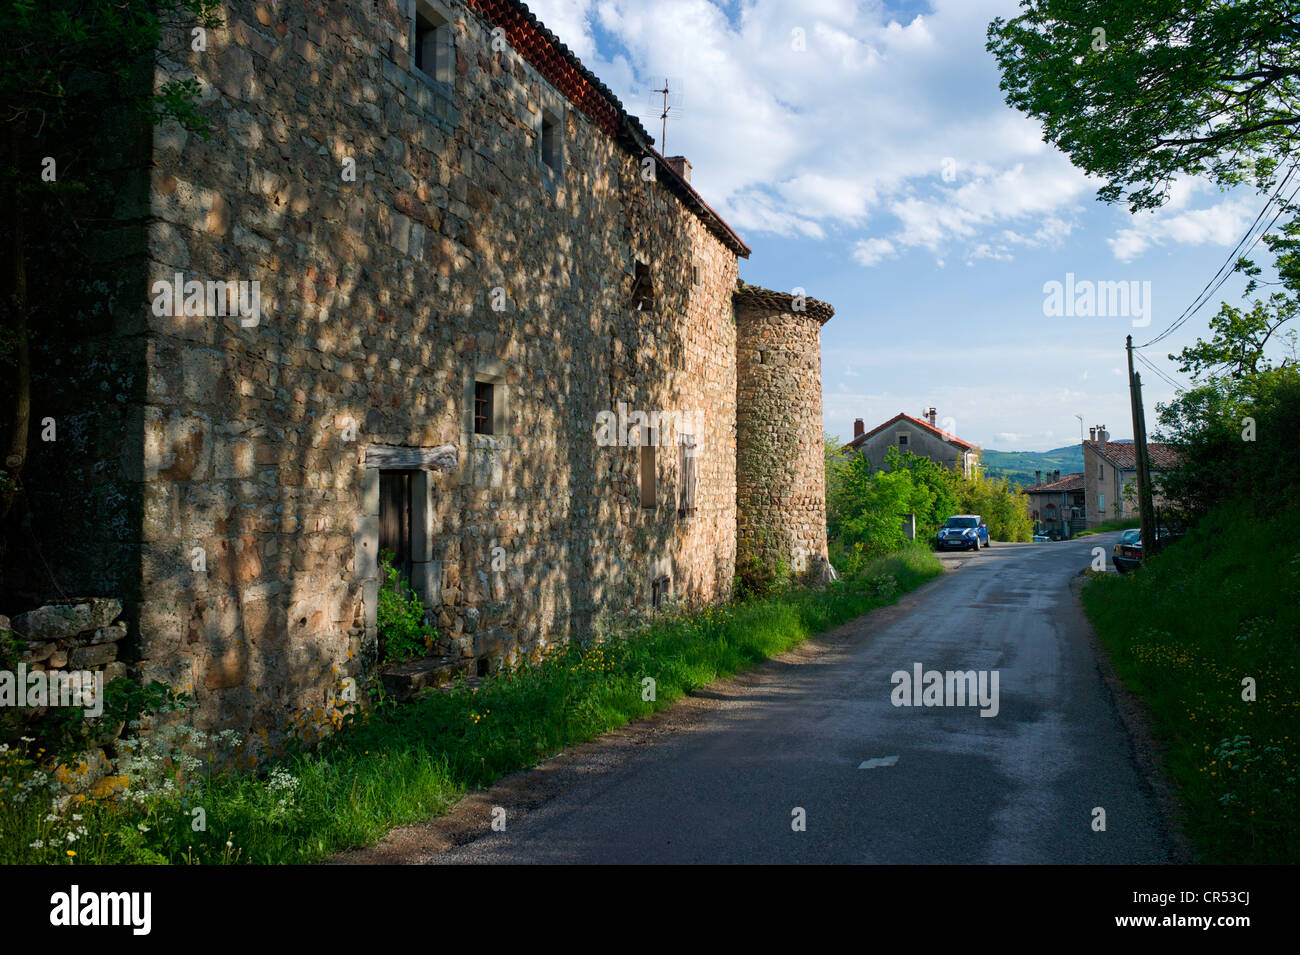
(1236, 438)
(1138, 92)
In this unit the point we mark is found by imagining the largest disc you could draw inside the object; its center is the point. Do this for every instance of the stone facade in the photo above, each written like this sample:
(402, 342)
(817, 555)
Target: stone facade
(781, 471)
(921, 437)
(495, 226)
(1057, 505)
(1109, 467)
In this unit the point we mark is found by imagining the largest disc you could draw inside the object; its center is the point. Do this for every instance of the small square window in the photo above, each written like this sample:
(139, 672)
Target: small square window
(483, 410)
(902, 440)
(431, 42)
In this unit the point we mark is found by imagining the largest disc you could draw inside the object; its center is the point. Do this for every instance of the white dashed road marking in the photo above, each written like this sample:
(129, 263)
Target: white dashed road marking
(879, 762)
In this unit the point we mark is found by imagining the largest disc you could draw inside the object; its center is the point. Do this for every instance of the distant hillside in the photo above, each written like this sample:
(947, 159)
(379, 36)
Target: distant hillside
(1019, 466)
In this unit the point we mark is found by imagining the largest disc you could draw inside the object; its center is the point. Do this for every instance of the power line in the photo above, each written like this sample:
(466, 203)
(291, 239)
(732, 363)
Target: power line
(1225, 272)
(1170, 381)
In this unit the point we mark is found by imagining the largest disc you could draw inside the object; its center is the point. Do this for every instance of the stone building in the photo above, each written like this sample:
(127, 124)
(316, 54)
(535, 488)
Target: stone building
(428, 289)
(1057, 504)
(923, 437)
(1109, 467)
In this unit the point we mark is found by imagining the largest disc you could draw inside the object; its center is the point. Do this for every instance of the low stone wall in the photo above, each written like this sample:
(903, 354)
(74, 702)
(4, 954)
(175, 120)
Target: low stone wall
(82, 634)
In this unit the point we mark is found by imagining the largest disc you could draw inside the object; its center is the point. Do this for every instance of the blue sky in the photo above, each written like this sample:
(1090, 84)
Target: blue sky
(864, 152)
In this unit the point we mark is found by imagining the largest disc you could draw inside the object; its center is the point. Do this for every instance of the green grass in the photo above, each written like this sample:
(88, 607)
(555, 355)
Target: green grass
(1183, 632)
(403, 764)
(1105, 526)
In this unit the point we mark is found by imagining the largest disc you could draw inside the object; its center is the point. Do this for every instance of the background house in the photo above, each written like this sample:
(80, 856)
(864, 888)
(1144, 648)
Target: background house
(1057, 506)
(922, 437)
(1109, 467)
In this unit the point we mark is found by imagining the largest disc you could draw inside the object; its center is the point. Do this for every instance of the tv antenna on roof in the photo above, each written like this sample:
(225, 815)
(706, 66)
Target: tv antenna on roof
(672, 100)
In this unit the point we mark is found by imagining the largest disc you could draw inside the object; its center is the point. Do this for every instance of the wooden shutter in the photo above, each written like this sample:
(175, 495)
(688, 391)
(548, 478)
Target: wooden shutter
(687, 458)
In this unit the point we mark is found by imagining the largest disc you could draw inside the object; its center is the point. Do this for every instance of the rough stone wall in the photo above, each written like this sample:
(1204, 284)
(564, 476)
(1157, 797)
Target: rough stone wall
(377, 311)
(780, 474)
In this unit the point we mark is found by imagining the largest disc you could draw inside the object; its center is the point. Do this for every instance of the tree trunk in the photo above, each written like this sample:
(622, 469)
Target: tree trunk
(22, 409)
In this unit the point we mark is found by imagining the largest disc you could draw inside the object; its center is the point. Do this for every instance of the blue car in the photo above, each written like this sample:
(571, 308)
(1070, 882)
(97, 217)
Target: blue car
(963, 532)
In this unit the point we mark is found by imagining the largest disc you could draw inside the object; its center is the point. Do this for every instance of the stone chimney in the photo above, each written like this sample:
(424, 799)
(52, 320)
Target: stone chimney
(1102, 434)
(930, 416)
(681, 165)
(858, 428)
(1038, 477)
(1092, 433)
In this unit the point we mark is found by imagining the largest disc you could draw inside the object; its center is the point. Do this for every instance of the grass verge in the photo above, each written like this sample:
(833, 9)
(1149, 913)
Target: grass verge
(402, 764)
(1184, 632)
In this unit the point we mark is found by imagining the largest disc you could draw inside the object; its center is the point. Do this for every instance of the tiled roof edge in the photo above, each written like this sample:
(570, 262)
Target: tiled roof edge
(757, 297)
(561, 67)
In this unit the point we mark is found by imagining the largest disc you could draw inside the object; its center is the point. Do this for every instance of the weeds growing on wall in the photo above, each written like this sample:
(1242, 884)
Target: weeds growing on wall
(400, 617)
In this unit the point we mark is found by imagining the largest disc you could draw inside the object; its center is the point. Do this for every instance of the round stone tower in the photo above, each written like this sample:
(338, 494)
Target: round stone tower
(780, 451)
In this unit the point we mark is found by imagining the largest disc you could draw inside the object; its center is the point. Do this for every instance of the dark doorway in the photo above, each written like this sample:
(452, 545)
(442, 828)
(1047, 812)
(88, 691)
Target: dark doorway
(395, 519)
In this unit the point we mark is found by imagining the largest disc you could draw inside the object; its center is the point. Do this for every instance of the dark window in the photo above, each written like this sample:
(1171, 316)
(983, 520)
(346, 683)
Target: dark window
(648, 476)
(551, 141)
(686, 455)
(432, 45)
(902, 440)
(395, 519)
(1101, 471)
(483, 407)
(643, 294)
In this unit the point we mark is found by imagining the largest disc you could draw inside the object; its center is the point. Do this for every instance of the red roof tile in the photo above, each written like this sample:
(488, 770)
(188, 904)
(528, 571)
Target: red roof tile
(1123, 455)
(1070, 482)
(952, 438)
(782, 301)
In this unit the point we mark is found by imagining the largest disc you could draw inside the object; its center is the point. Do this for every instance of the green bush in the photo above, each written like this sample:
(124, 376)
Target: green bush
(403, 634)
(1003, 508)
(865, 509)
(1234, 437)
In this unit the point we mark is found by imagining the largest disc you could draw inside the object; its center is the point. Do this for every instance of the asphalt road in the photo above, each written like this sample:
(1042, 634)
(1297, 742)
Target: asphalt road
(946, 785)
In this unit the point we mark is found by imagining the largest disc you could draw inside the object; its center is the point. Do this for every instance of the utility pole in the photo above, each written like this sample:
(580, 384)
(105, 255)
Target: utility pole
(1146, 512)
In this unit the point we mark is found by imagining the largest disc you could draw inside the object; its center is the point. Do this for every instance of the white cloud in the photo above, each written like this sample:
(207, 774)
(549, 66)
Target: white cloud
(873, 251)
(857, 123)
(819, 119)
(1223, 224)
